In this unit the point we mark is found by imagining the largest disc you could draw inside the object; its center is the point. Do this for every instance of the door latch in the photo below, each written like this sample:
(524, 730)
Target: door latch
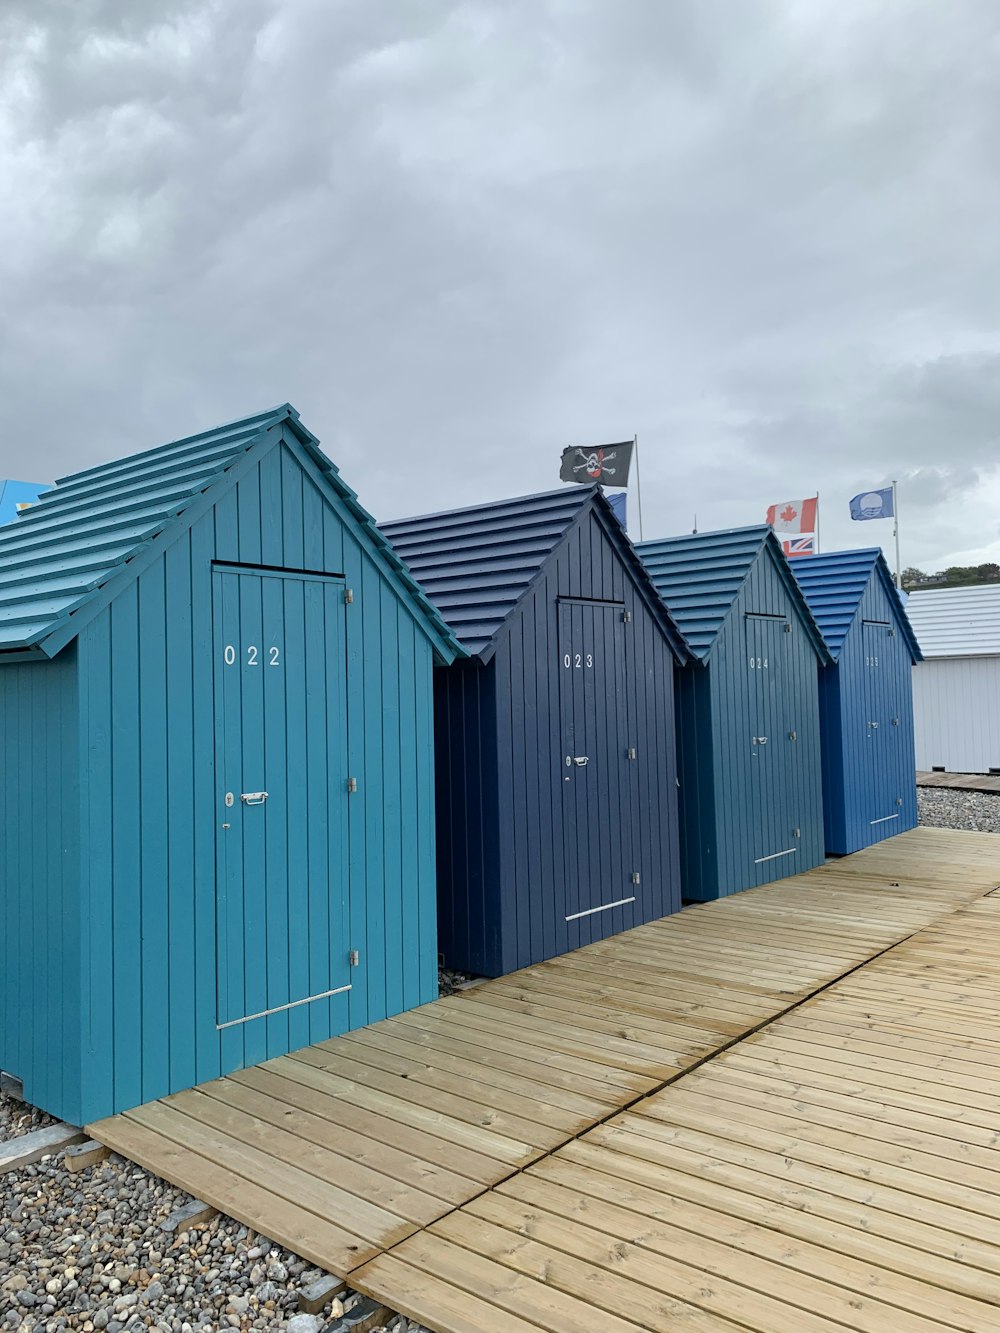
(253, 797)
(581, 760)
(760, 740)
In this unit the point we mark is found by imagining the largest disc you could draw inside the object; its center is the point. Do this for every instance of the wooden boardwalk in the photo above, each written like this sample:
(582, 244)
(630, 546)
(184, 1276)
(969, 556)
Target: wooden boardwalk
(839, 1170)
(343, 1150)
(984, 782)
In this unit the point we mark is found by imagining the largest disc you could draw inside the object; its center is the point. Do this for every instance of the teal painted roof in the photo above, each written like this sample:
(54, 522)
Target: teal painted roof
(834, 584)
(56, 559)
(700, 575)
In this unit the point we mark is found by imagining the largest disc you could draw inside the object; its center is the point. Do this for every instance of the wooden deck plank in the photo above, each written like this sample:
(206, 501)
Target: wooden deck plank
(418, 1150)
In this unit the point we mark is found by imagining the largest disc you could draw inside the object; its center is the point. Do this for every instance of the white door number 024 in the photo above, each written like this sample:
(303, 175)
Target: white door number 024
(252, 655)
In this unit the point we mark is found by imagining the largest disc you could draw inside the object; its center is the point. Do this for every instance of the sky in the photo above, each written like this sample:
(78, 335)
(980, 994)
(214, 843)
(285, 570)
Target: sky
(761, 235)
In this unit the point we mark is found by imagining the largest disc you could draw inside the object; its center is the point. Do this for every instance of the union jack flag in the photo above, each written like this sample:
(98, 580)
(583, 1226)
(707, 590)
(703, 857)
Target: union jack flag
(794, 546)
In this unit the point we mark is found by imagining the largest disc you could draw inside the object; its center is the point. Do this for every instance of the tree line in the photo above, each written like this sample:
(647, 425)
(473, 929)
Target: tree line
(954, 575)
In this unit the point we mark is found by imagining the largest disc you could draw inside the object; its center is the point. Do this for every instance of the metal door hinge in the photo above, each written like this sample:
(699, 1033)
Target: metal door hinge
(635, 877)
(631, 752)
(793, 735)
(796, 833)
(352, 784)
(899, 800)
(348, 596)
(895, 721)
(788, 628)
(892, 634)
(626, 617)
(353, 957)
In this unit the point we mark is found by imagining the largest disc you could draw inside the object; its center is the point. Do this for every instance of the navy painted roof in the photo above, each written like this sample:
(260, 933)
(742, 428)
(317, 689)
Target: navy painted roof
(58, 556)
(834, 583)
(700, 575)
(476, 564)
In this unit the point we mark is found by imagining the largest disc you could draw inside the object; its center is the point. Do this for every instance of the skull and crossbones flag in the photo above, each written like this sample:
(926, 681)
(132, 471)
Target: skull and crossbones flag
(607, 464)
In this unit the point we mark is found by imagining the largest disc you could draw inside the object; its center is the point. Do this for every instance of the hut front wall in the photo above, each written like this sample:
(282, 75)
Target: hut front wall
(869, 771)
(956, 704)
(40, 1015)
(154, 805)
(552, 863)
(758, 809)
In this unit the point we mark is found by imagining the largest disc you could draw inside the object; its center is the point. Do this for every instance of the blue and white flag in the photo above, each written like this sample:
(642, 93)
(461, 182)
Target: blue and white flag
(872, 504)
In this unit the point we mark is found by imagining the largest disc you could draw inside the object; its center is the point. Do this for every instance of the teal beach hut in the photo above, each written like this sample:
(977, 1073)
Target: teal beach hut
(216, 727)
(748, 738)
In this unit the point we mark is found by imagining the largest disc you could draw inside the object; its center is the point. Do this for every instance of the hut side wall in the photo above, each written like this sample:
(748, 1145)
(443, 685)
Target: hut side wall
(39, 883)
(699, 851)
(535, 862)
(468, 839)
(146, 666)
(956, 703)
(853, 693)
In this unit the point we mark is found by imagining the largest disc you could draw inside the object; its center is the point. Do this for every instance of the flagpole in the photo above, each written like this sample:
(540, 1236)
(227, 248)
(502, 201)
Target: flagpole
(895, 533)
(817, 522)
(638, 483)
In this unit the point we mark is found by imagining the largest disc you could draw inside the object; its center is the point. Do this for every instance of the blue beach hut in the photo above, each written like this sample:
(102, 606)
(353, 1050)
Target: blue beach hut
(866, 697)
(556, 772)
(217, 743)
(747, 712)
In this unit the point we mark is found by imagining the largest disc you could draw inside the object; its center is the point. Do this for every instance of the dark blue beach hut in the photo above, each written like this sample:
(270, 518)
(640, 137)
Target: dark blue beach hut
(866, 697)
(216, 693)
(556, 772)
(747, 712)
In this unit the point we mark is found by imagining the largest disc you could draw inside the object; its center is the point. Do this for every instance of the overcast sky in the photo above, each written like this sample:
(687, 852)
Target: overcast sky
(762, 234)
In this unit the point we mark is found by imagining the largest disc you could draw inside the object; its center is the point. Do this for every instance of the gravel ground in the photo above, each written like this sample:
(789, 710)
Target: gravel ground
(87, 1251)
(449, 982)
(944, 807)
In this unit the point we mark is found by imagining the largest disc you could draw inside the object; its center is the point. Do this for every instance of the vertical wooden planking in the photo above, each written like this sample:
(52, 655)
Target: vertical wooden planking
(408, 873)
(372, 783)
(392, 797)
(180, 815)
(298, 942)
(126, 922)
(279, 780)
(424, 879)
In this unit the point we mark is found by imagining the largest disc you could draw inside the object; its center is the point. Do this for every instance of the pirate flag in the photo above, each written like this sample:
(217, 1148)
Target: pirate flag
(606, 463)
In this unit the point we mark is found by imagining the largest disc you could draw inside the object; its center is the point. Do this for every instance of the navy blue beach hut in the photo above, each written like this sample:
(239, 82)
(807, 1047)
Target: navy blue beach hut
(865, 696)
(216, 694)
(747, 713)
(556, 771)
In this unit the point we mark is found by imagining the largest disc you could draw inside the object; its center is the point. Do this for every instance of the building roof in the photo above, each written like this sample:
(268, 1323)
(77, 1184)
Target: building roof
(956, 622)
(835, 582)
(700, 576)
(14, 493)
(477, 564)
(66, 555)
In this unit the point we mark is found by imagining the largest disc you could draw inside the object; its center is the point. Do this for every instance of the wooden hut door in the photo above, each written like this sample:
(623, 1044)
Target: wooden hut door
(281, 777)
(882, 734)
(596, 775)
(772, 799)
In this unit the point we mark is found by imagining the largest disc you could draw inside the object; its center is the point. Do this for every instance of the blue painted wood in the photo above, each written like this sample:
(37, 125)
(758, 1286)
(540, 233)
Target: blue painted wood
(120, 983)
(751, 809)
(866, 697)
(522, 853)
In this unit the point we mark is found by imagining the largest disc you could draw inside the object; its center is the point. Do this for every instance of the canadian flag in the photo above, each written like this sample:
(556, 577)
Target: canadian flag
(793, 515)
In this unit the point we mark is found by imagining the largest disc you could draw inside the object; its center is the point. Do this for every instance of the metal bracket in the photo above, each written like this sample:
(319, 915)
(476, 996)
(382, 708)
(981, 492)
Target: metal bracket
(348, 596)
(352, 784)
(631, 752)
(353, 957)
(635, 877)
(626, 617)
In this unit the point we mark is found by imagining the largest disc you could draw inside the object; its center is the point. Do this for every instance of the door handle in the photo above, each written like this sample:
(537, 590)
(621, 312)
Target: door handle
(760, 740)
(253, 797)
(581, 760)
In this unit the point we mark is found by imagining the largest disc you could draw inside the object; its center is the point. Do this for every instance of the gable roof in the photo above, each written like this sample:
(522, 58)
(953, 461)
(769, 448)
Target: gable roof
(956, 622)
(87, 535)
(700, 576)
(477, 564)
(835, 582)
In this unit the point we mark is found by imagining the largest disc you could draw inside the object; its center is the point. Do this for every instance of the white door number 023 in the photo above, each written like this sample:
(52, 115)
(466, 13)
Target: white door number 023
(578, 660)
(252, 655)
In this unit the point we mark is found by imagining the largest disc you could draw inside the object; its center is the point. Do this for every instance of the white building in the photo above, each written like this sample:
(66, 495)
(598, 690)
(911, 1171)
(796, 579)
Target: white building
(956, 689)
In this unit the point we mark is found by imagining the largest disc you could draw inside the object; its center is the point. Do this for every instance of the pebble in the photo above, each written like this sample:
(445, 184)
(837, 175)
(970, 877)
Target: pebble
(944, 807)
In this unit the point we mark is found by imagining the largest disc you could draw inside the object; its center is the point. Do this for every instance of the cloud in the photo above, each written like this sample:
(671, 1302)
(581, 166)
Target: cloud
(460, 236)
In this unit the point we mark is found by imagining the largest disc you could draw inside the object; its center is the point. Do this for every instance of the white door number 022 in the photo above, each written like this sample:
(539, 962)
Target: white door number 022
(252, 655)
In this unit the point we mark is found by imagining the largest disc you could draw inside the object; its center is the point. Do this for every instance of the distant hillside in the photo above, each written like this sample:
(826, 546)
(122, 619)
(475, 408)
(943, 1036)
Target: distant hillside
(957, 576)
